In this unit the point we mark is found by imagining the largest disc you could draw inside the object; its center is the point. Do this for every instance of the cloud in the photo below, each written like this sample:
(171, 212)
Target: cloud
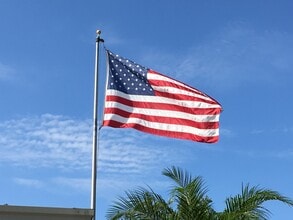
(6, 72)
(78, 184)
(33, 183)
(46, 141)
(257, 131)
(286, 154)
(61, 147)
(123, 152)
(60, 142)
(281, 130)
(70, 183)
(234, 56)
(227, 132)
(239, 55)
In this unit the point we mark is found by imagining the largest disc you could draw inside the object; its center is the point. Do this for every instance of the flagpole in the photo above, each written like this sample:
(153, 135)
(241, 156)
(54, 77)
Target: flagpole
(95, 127)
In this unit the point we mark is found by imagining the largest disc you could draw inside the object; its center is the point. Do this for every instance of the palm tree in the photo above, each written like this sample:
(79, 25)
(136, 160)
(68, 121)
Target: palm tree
(189, 201)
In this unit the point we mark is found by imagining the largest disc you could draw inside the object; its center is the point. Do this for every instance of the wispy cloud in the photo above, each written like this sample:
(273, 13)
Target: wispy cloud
(257, 131)
(6, 72)
(227, 132)
(233, 56)
(65, 143)
(32, 183)
(238, 55)
(71, 183)
(46, 141)
(78, 184)
(286, 154)
(281, 130)
(122, 152)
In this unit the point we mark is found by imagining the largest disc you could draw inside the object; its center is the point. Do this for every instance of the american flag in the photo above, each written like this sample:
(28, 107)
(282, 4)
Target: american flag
(143, 99)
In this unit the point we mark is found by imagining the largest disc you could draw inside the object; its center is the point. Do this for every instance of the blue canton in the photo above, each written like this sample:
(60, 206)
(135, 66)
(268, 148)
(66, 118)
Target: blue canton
(127, 76)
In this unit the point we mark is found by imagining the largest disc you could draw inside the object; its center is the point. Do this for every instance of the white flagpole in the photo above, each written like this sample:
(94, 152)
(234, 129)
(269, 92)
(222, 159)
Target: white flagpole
(95, 127)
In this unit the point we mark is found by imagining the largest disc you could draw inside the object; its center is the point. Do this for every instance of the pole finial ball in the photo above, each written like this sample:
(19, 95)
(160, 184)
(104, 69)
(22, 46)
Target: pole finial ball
(98, 32)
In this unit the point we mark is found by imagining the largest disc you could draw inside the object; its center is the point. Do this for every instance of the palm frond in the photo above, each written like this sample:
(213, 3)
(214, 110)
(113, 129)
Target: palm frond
(249, 204)
(190, 194)
(181, 178)
(140, 204)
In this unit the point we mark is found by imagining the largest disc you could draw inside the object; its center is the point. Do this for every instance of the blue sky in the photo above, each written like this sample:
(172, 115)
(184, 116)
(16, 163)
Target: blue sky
(239, 52)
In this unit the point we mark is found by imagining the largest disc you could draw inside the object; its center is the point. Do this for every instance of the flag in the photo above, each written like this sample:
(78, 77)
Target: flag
(143, 99)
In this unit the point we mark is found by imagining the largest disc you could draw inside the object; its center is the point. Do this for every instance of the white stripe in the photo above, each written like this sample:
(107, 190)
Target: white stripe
(163, 113)
(162, 126)
(163, 100)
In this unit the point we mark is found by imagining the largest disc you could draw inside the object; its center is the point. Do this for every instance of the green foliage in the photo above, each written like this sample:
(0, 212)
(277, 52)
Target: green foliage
(189, 197)
(249, 204)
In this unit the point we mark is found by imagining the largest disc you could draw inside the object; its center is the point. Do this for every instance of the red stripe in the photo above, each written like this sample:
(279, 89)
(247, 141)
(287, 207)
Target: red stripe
(173, 134)
(161, 119)
(164, 106)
